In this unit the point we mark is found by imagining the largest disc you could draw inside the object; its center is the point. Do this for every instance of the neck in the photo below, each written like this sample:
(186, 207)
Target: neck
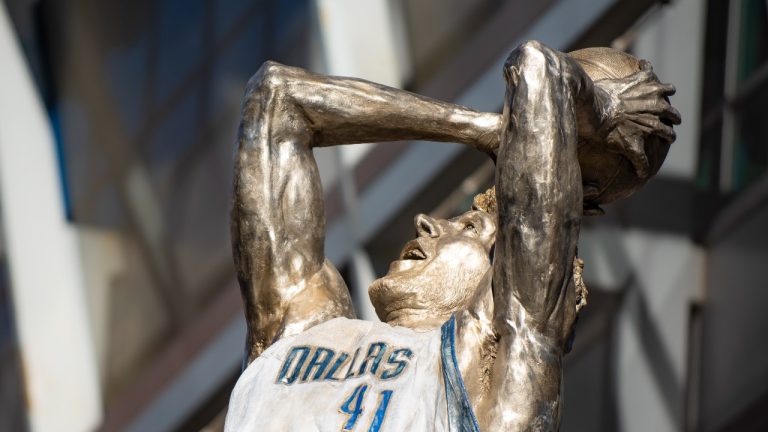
(417, 319)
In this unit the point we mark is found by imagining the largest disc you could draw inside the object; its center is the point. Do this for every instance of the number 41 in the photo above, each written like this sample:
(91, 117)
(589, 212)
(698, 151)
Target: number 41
(354, 407)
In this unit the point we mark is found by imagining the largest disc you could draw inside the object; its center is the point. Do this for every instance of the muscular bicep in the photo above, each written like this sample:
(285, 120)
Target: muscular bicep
(278, 220)
(277, 214)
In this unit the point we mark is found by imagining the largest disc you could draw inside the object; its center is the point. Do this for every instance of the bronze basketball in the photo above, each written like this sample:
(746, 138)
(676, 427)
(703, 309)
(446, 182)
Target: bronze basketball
(608, 176)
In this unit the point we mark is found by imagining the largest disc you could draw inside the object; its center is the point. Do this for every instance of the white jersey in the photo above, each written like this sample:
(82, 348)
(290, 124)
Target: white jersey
(354, 375)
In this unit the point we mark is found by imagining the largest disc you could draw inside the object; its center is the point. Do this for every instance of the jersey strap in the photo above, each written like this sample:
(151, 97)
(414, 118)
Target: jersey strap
(460, 415)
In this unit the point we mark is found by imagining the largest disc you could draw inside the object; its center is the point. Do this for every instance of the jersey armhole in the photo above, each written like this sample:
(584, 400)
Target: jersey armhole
(460, 414)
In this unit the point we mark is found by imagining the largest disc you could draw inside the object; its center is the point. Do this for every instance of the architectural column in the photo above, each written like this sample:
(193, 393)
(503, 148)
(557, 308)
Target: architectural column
(50, 308)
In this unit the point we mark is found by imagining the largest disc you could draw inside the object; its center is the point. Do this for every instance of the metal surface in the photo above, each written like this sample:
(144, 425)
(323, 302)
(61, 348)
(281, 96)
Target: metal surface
(515, 313)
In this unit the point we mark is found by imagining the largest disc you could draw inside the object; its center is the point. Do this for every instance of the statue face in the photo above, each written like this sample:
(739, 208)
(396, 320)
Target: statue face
(438, 272)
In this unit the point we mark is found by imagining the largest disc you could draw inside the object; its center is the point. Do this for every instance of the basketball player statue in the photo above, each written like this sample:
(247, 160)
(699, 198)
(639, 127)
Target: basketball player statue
(477, 310)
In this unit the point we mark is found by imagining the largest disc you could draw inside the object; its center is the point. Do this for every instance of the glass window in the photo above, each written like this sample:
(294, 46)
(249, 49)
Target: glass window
(734, 136)
(750, 158)
(748, 104)
(753, 38)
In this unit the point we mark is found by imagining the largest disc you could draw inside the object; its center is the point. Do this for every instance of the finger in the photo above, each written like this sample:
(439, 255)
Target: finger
(631, 145)
(637, 156)
(643, 77)
(667, 89)
(670, 114)
(654, 126)
(657, 106)
(652, 88)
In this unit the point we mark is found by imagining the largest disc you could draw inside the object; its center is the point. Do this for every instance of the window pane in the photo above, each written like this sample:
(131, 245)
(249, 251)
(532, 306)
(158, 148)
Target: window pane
(753, 40)
(750, 156)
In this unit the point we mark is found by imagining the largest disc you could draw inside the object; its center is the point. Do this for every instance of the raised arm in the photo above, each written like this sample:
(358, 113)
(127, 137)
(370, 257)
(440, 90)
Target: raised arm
(278, 220)
(551, 105)
(539, 193)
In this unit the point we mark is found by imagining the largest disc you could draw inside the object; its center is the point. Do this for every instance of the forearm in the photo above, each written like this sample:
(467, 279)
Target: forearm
(348, 111)
(526, 380)
(539, 193)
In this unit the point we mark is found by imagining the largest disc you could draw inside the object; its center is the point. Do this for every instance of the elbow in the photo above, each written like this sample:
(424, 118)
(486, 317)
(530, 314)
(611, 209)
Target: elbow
(267, 92)
(536, 63)
(269, 79)
(529, 59)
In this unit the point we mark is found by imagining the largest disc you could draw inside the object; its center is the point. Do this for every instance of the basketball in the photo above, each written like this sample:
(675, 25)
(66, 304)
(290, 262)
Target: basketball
(608, 176)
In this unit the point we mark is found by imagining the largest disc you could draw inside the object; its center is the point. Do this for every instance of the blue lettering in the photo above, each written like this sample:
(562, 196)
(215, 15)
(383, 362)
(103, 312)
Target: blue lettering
(316, 362)
(380, 348)
(302, 352)
(401, 363)
(352, 364)
(330, 376)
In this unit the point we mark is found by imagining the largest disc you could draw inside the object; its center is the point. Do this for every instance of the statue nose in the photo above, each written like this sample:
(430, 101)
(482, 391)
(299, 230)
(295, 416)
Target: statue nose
(426, 226)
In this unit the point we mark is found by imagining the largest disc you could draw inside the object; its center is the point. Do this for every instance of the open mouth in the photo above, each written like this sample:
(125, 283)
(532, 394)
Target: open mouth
(413, 251)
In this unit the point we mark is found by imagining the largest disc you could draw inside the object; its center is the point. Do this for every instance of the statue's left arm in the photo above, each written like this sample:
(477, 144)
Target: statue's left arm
(539, 195)
(550, 105)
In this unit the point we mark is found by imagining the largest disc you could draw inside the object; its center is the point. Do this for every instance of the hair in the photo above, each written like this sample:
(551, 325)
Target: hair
(486, 201)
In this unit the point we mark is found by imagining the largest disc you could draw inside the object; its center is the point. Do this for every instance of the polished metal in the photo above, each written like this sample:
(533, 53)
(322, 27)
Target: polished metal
(577, 130)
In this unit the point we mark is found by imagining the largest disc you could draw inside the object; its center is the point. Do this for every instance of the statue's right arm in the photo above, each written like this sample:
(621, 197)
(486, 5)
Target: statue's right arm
(278, 220)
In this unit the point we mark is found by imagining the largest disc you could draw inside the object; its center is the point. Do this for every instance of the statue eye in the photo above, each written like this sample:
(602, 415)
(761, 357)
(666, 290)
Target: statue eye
(469, 226)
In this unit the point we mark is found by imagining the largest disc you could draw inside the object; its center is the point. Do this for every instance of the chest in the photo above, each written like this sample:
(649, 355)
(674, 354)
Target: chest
(349, 378)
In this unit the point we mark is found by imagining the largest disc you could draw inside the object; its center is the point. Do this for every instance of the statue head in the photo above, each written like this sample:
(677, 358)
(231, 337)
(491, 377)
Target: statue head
(438, 272)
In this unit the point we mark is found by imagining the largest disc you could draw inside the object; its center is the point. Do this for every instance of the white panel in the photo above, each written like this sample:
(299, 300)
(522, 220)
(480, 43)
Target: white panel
(662, 274)
(58, 361)
(640, 402)
(359, 41)
(101, 250)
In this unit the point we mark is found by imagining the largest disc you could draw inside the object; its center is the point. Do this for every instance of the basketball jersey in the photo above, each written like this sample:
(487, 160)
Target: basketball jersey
(354, 375)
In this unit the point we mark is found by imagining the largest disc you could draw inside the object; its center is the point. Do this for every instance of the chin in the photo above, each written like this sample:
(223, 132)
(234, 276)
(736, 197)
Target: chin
(386, 295)
(427, 294)
(375, 292)
(398, 305)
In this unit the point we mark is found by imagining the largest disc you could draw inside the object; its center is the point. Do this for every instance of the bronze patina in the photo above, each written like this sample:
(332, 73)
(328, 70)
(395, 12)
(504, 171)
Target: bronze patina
(577, 130)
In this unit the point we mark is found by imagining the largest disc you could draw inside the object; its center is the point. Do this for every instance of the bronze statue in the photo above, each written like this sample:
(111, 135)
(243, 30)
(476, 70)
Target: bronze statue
(497, 288)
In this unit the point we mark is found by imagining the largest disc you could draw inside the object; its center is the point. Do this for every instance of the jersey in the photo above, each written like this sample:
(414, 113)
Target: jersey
(354, 375)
